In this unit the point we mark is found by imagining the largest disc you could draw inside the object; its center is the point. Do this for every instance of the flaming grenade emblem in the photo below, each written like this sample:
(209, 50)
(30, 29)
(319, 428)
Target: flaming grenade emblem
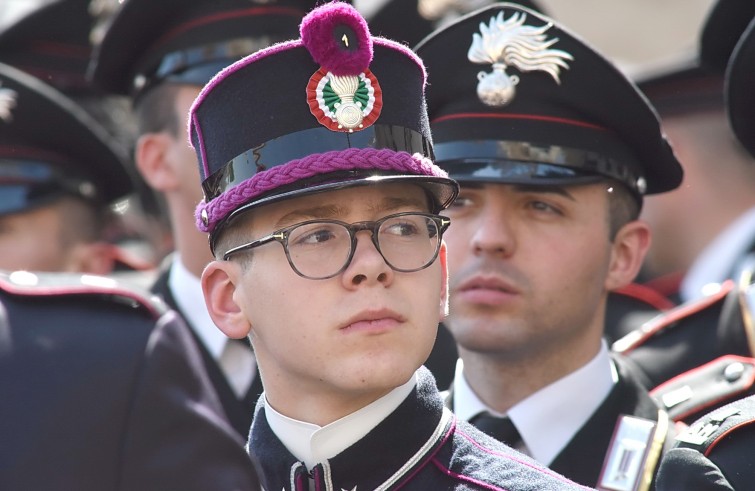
(344, 102)
(7, 103)
(509, 42)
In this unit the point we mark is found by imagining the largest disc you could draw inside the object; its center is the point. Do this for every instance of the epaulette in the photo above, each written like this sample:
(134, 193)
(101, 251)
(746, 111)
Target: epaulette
(633, 455)
(708, 386)
(28, 284)
(669, 319)
(710, 430)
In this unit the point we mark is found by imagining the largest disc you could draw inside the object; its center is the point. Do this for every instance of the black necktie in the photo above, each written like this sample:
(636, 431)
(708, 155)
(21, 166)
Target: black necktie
(500, 428)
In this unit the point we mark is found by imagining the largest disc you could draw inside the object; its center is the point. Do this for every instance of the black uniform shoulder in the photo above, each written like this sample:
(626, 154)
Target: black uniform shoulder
(715, 450)
(693, 334)
(68, 290)
(631, 307)
(682, 317)
(690, 395)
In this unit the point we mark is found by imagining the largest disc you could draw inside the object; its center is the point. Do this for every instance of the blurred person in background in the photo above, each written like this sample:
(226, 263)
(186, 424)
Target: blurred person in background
(58, 175)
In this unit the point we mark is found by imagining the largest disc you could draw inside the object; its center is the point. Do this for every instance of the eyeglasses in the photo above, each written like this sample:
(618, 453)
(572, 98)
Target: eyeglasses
(321, 249)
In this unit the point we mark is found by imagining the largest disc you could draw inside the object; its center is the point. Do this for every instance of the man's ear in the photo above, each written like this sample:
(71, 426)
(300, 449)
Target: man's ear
(219, 283)
(444, 281)
(628, 252)
(152, 161)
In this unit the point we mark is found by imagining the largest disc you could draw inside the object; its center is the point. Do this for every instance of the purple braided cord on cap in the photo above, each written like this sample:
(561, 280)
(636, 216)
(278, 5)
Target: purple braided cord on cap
(312, 165)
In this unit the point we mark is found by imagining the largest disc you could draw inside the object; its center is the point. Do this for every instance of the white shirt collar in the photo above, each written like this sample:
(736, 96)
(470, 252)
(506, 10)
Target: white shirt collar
(187, 291)
(548, 419)
(719, 258)
(313, 444)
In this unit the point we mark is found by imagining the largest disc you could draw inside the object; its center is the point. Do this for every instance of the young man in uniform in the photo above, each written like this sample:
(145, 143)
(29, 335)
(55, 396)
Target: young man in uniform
(321, 203)
(553, 149)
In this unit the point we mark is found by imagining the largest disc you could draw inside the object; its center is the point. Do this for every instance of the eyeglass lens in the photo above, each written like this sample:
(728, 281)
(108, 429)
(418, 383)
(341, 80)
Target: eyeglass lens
(322, 249)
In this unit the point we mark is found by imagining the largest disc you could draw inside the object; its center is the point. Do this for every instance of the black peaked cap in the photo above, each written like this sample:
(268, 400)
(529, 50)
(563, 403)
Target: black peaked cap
(39, 124)
(591, 123)
(148, 41)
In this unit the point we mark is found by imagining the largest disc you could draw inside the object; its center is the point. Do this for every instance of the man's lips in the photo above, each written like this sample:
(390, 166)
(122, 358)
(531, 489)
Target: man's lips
(373, 320)
(491, 290)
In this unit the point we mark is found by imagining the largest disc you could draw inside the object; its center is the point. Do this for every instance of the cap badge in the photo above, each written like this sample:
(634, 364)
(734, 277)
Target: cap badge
(7, 103)
(344, 102)
(509, 42)
(343, 94)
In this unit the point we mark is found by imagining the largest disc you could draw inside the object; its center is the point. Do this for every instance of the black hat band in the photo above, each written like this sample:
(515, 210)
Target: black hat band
(524, 162)
(25, 184)
(287, 148)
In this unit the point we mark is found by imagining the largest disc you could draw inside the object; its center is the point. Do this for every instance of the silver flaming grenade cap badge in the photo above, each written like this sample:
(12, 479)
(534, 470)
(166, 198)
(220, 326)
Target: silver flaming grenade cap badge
(509, 42)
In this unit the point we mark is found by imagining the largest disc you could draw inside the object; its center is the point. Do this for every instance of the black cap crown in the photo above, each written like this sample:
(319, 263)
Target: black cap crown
(50, 146)
(514, 97)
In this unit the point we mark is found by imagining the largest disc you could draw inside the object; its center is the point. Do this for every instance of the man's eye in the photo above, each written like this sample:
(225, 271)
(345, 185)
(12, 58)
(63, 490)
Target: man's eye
(461, 202)
(544, 207)
(313, 236)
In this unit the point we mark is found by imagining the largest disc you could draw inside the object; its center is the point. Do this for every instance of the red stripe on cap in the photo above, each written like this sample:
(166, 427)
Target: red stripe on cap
(230, 14)
(531, 117)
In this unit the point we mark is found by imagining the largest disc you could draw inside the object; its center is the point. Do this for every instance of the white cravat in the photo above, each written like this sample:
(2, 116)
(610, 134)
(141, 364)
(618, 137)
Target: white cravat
(239, 365)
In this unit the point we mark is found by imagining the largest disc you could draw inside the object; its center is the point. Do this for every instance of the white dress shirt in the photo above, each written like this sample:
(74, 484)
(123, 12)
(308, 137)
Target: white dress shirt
(548, 419)
(313, 444)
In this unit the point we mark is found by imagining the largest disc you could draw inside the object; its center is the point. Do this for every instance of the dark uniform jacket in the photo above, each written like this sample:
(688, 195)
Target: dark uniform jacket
(420, 446)
(582, 458)
(691, 335)
(698, 356)
(715, 453)
(238, 411)
(103, 390)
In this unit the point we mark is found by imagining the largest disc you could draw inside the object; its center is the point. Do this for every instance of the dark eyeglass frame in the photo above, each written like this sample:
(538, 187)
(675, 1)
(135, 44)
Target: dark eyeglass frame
(281, 236)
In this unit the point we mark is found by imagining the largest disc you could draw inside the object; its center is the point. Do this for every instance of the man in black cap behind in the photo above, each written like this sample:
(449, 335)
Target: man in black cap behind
(554, 149)
(702, 252)
(715, 453)
(160, 54)
(58, 175)
(323, 218)
(698, 355)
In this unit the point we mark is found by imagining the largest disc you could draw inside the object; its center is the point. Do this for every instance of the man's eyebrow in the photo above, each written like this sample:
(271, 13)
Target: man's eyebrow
(529, 188)
(398, 202)
(310, 213)
(333, 211)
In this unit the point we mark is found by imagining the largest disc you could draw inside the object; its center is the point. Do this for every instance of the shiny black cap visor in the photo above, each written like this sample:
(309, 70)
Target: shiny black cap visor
(525, 163)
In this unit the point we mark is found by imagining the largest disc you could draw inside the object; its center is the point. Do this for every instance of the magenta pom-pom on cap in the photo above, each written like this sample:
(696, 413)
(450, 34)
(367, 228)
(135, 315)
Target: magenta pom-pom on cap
(338, 38)
(333, 109)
